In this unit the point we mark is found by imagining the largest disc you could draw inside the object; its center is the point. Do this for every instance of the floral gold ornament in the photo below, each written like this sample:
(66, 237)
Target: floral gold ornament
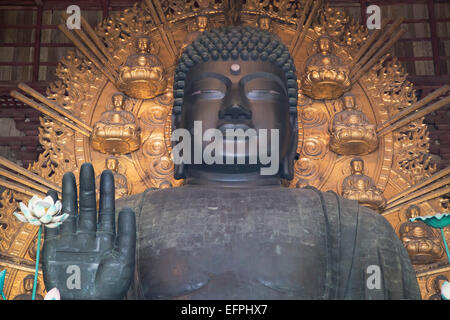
(351, 131)
(361, 188)
(143, 75)
(116, 132)
(325, 77)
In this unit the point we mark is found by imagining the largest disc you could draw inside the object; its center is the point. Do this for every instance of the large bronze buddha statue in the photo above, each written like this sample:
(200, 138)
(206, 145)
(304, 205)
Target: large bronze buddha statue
(230, 232)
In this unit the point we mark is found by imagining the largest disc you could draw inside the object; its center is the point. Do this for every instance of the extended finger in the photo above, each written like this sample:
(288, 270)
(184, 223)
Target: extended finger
(51, 232)
(69, 203)
(107, 209)
(126, 236)
(87, 217)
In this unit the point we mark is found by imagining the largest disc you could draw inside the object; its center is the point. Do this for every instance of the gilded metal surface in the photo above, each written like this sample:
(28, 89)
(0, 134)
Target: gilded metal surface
(351, 131)
(400, 161)
(116, 132)
(361, 188)
(325, 77)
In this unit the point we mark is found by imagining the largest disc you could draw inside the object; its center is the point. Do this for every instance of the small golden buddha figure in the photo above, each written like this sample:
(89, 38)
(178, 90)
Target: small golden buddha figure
(351, 131)
(120, 181)
(201, 23)
(361, 188)
(27, 294)
(264, 23)
(116, 132)
(326, 77)
(143, 75)
(422, 244)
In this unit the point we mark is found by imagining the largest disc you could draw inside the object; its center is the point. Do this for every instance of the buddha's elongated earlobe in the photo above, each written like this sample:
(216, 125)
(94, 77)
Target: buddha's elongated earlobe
(287, 163)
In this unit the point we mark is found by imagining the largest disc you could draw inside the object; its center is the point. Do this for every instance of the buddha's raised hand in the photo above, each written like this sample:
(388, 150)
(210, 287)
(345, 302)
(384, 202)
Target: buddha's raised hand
(84, 258)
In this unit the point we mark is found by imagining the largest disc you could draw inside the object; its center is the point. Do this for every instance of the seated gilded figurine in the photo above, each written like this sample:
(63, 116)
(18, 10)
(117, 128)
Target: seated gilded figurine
(361, 188)
(351, 131)
(27, 294)
(116, 132)
(232, 231)
(422, 244)
(120, 181)
(325, 77)
(201, 23)
(143, 75)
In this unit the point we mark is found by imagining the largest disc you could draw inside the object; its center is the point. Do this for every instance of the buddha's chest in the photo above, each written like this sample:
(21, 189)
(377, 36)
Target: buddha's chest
(213, 244)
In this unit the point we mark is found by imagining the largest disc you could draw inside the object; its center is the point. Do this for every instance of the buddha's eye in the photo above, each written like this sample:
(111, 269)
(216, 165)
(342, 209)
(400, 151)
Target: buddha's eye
(209, 94)
(263, 94)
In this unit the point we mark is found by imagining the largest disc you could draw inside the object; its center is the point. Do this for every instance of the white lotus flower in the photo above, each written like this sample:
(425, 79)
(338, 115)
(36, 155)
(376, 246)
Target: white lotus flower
(445, 290)
(42, 212)
(53, 295)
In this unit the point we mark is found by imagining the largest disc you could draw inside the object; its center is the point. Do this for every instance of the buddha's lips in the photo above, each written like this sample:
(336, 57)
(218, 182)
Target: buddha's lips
(234, 126)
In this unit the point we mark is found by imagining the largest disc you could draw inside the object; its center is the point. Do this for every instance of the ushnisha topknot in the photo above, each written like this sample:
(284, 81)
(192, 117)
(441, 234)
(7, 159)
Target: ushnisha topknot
(231, 43)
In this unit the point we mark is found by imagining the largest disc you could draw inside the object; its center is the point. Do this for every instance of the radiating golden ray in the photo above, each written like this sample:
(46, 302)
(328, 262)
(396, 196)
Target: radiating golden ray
(366, 60)
(303, 30)
(49, 112)
(434, 177)
(55, 107)
(30, 175)
(87, 53)
(414, 116)
(419, 104)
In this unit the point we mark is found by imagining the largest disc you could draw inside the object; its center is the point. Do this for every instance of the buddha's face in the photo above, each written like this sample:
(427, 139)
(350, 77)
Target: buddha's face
(349, 102)
(413, 212)
(202, 22)
(118, 100)
(234, 95)
(111, 164)
(324, 44)
(28, 284)
(142, 44)
(264, 23)
(357, 166)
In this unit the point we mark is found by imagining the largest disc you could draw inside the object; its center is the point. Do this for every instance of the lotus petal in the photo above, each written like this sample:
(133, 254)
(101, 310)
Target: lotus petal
(45, 219)
(34, 222)
(60, 218)
(52, 210)
(33, 201)
(445, 290)
(43, 204)
(53, 225)
(38, 210)
(49, 200)
(20, 217)
(53, 295)
(26, 212)
(58, 206)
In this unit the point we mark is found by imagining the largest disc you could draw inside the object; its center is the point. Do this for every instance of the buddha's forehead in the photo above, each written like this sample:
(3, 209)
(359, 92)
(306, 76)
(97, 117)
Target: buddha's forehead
(235, 70)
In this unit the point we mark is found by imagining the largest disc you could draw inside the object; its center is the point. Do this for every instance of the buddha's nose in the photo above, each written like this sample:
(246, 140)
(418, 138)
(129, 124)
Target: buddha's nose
(235, 112)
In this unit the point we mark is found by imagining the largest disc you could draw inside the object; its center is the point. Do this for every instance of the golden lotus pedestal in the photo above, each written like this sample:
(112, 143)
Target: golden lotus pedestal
(323, 90)
(115, 145)
(143, 89)
(345, 143)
